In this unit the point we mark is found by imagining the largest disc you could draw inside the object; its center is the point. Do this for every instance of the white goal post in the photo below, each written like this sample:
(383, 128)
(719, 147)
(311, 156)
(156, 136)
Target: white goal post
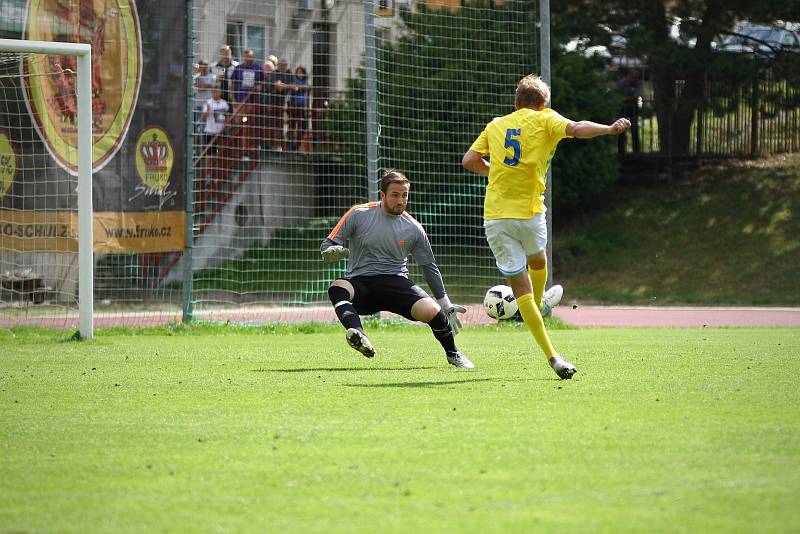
(83, 53)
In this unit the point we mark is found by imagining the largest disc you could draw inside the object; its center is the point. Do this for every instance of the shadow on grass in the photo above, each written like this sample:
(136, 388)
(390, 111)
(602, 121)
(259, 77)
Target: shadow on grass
(421, 384)
(337, 369)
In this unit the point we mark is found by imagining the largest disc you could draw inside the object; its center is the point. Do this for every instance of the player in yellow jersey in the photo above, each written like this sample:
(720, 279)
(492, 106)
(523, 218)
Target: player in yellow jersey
(520, 146)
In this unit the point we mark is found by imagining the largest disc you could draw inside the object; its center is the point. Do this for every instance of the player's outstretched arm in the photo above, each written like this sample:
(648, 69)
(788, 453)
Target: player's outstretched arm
(589, 129)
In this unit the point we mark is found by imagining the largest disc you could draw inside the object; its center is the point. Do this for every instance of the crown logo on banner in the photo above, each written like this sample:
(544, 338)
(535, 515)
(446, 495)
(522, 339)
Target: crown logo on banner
(155, 155)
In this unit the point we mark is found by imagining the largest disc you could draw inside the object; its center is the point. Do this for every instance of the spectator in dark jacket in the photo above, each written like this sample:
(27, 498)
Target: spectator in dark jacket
(298, 107)
(281, 81)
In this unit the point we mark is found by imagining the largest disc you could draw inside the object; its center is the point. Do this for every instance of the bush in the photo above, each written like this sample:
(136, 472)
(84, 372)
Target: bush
(582, 169)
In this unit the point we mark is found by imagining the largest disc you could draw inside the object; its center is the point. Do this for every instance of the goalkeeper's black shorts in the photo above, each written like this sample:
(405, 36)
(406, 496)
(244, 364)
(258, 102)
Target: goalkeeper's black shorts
(385, 292)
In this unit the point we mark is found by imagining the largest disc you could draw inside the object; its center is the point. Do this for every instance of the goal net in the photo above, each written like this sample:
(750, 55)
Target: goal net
(45, 226)
(216, 201)
(384, 84)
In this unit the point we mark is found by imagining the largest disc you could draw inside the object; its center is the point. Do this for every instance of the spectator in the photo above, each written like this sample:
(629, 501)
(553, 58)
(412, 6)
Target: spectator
(214, 111)
(222, 69)
(298, 107)
(631, 88)
(203, 83)
(280, 81)
(264, 100)
(319, 138)
(247, 79)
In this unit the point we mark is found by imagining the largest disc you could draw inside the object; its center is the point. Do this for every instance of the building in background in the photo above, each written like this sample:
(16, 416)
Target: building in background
(324, 36)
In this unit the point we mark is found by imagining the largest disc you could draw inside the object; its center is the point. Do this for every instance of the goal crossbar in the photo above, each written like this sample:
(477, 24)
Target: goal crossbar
(83, 53)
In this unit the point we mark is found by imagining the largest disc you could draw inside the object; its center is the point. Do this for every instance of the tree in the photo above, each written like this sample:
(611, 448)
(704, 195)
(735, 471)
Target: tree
(646, 25)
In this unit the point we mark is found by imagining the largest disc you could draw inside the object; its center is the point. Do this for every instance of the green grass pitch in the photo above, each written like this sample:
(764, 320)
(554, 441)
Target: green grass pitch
(230, 430)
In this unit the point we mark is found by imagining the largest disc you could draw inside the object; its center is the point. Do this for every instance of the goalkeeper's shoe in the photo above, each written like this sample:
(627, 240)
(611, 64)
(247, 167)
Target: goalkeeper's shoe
(358, 340)
(550, 299)
(459, 360)
(563, 368)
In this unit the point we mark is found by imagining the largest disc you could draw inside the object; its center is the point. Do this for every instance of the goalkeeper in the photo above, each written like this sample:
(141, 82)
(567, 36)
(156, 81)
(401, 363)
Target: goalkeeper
(520, 146)
(380, 236)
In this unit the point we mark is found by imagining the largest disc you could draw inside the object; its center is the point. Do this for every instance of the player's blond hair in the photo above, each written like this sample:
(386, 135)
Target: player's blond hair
(531, 92)
(393, 176)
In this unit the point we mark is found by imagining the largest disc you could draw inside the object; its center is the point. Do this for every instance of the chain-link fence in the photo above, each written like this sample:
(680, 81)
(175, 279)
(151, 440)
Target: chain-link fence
(251, 127)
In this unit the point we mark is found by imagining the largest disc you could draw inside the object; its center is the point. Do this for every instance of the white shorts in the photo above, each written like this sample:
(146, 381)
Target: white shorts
(513, 240)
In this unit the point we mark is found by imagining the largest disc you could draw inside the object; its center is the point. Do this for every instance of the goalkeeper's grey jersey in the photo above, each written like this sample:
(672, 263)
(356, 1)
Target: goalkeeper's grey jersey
(380, 243)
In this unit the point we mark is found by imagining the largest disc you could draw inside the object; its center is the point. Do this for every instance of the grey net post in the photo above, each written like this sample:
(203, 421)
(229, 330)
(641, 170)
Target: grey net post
(371, 99)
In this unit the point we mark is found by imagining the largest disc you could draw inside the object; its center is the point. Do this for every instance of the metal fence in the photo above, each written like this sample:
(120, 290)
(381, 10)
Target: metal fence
(218, 212)
(733, 120)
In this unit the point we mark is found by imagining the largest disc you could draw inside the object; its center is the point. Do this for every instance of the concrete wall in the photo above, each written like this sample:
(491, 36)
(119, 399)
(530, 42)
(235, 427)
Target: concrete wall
(280, 193)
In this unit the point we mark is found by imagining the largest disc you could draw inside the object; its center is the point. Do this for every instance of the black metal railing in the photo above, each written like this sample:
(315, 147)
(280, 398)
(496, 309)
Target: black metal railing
(733, 120)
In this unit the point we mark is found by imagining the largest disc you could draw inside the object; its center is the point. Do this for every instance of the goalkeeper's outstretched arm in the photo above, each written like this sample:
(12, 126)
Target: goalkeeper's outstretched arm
(435, 282)
(434, 279)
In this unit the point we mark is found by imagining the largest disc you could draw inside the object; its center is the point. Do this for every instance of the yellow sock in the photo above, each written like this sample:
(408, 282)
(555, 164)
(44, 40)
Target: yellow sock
(538, 281)
(533, 320)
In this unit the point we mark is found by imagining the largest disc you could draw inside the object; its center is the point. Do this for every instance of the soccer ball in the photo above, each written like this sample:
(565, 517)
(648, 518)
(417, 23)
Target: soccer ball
(499, 303)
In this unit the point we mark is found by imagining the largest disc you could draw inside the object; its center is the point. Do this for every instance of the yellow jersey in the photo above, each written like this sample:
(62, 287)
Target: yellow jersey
(520, 146)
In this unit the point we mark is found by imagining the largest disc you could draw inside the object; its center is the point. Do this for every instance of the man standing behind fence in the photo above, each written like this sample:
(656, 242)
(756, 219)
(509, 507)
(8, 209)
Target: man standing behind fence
(298, 107)
(246, 86)
(223, 69)
(631, 89)
(214, 111)
(280, 81)
(203, 83)
(264, 102)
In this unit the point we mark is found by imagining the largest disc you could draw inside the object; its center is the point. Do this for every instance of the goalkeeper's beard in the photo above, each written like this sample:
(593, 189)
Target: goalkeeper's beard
(396, 209)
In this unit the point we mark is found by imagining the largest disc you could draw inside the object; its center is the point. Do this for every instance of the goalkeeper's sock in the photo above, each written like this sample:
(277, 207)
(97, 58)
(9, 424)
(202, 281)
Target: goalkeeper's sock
(533, 320)
(538, 281)
(443, 333)
(347, 314)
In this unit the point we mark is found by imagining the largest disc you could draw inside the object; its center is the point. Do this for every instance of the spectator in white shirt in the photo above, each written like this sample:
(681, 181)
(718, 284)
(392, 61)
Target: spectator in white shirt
(203, 83)
(214, 112)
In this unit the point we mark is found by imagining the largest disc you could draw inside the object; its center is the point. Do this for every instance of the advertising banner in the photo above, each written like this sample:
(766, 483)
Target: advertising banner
(112, 28)
(138, 107)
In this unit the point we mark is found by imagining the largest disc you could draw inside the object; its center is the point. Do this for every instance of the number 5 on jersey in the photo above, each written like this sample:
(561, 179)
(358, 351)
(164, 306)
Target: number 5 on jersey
(512, 143)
